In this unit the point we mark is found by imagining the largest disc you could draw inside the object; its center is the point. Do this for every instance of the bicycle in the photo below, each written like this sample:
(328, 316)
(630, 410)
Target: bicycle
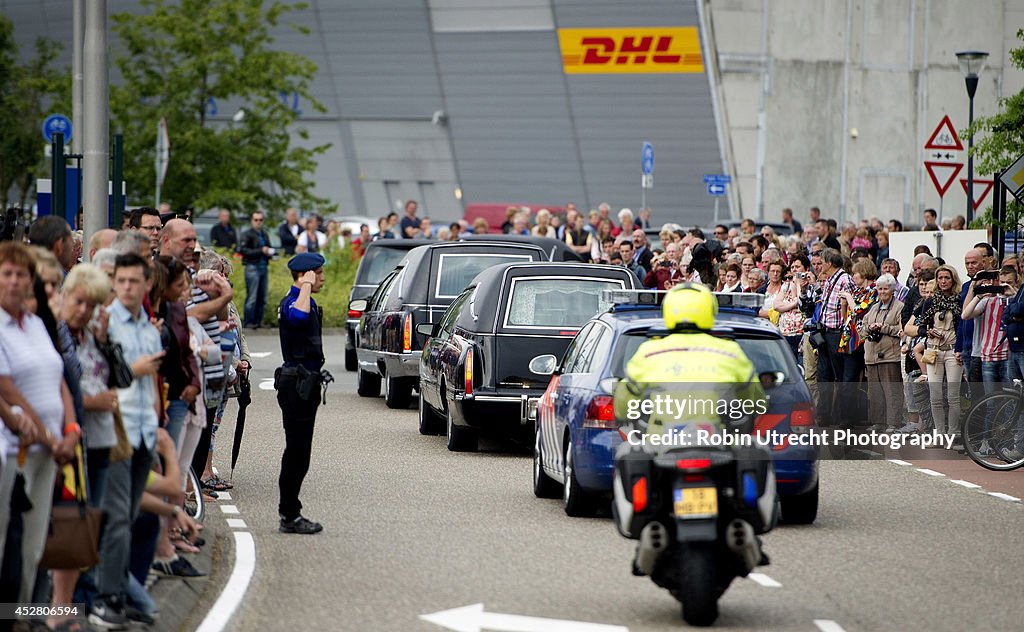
(993, 429)
(195, 507)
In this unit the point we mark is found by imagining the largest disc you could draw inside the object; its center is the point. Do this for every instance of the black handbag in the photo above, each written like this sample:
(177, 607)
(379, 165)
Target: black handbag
(121, 374)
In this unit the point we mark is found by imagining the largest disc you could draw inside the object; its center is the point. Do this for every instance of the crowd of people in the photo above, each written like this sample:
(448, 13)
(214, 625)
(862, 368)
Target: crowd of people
(114, 375)
(878, 348)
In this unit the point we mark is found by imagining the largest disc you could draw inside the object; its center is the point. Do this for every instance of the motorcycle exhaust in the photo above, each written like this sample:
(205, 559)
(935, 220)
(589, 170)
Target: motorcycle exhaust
(653, 541)
(741, 540)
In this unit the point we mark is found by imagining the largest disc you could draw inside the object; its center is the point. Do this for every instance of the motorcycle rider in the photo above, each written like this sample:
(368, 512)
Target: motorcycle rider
(689, 362)
(688, 359)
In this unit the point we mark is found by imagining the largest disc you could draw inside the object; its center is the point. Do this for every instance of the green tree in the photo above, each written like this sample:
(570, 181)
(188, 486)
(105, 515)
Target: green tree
(999, 141)
(177, 56)
(28, 92)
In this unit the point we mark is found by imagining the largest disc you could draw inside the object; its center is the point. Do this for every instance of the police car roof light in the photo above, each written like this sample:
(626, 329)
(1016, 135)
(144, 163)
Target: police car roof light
(633, 298)
(736, 300)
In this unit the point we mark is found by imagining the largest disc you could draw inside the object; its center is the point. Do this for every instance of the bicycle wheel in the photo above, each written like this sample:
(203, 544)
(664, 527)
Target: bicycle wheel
(992, 431)
(194, 505)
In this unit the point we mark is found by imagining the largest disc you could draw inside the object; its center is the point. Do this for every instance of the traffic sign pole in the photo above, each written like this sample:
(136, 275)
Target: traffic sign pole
(647, 169)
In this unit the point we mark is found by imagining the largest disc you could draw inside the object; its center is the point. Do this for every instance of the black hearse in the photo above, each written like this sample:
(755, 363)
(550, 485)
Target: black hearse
(418, 291)
(475, 369)
(380, 258)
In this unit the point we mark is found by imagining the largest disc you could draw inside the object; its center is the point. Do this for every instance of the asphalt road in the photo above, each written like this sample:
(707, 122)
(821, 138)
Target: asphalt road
(412, 529)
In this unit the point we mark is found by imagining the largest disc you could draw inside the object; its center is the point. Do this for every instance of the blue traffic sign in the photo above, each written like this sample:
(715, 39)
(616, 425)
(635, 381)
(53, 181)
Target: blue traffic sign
(56, 124)
(716, 189)
(717, 179)
(647, 159)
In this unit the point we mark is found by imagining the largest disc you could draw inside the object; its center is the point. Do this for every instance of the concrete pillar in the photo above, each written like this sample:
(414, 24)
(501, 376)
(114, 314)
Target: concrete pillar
(95, 119)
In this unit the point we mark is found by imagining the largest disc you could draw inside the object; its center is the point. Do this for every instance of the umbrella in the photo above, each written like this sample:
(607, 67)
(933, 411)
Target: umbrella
(10, 573)
(244, 399)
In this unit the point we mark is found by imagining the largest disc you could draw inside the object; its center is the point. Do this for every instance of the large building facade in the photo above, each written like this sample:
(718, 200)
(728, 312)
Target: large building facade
(801, 102)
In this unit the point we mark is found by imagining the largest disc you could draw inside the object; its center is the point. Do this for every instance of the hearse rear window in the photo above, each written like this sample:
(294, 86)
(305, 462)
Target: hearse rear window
(455, 271)
(556, 302)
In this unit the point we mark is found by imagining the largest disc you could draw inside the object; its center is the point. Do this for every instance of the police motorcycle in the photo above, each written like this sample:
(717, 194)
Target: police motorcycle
(696, 510)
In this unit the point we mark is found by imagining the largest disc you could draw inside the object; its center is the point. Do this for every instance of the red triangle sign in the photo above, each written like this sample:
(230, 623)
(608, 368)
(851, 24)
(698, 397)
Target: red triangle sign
(944, 137)
(943, 174)
(981, 189)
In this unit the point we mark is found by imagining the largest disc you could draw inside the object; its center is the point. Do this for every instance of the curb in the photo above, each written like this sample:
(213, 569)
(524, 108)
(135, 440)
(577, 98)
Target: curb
(184, 602)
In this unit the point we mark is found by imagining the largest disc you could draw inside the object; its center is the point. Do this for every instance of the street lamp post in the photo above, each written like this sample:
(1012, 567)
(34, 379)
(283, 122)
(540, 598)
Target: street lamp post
(972, 62)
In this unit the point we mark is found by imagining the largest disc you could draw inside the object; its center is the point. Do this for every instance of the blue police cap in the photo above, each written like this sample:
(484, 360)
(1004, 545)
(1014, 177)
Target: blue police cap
(306, 261)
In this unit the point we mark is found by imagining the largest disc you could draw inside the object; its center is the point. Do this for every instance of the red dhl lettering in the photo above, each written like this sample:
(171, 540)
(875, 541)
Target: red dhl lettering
(631, 49)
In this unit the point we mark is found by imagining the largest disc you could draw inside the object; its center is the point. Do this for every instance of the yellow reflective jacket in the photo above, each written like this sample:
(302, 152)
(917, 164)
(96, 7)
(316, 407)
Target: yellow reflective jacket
(707, 371)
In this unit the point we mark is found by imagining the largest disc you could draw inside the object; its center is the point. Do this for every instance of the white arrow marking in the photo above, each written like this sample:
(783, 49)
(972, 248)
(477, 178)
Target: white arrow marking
(474, 619)
(267, 384)
(261, 354)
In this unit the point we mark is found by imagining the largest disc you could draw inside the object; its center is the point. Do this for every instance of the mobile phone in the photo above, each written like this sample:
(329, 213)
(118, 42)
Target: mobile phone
(991, 289)
(991, 275)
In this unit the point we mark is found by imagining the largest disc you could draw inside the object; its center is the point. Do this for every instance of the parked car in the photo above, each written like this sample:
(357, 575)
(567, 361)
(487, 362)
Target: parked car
(380, 258)
(474, 372)
(418, 290)
(576, 430)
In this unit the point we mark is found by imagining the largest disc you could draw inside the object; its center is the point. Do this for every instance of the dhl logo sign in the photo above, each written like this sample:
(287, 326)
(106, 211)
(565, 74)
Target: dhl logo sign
(631, 50)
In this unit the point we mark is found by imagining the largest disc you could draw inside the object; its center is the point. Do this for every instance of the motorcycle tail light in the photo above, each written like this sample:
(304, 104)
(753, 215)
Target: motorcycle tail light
(693, 464)
(600, 413)
(407, 333)
(640, 494)
(469, 372)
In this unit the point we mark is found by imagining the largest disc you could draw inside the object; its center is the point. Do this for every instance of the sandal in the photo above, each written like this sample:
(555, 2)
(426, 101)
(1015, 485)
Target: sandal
(216, 483)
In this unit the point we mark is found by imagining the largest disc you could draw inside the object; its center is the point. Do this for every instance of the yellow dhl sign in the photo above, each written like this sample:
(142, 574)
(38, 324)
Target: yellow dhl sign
(637, 50)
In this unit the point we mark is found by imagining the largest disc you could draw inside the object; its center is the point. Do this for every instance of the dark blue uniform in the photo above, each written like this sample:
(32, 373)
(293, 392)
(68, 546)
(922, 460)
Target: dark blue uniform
(302, 350)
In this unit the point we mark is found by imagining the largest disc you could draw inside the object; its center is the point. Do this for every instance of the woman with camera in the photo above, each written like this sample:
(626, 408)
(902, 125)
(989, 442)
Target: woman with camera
(939, 318)
(789, 303)
(882, 355)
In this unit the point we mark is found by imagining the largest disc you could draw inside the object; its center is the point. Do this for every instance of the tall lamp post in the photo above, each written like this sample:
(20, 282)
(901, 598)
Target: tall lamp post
(972, 62)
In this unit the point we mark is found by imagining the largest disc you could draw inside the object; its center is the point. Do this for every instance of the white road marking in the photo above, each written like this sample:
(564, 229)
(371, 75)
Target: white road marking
(230, 510)
(898, 462)
(223, 496)
(967, 484)
(237, 523)
(828, 625)
(245, 564)
(261, 354)
(929, 472)
(1003, 496)
(267, 384)
(764, 580)
(474, 618)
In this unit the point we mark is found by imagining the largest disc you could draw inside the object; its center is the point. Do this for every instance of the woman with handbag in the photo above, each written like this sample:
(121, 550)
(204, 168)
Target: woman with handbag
(851, 341)
(791, 318)
(85, 288)
(31, 377)
(940, 316)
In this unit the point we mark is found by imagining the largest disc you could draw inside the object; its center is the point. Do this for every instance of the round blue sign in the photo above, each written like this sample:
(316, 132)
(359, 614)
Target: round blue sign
(647, 159)
(56, 124)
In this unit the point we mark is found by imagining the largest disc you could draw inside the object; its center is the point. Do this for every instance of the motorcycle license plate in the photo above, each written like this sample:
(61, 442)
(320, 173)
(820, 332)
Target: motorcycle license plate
(696, 502)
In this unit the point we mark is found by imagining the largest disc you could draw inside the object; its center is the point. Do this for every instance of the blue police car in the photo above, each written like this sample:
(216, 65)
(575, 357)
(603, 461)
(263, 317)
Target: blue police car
(576, 429)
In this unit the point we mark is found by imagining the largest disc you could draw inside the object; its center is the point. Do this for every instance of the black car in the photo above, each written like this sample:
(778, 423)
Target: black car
(475, 369)
(418, 290)
(557, 249)
(380, 258)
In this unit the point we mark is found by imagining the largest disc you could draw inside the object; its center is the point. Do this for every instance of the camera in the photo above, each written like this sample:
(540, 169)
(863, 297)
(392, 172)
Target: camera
(991, 289)
(874, 336)
(665, 263)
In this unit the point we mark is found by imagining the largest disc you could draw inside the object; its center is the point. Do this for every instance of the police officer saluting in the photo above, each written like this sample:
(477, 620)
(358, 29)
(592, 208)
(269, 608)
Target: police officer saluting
(298, 383)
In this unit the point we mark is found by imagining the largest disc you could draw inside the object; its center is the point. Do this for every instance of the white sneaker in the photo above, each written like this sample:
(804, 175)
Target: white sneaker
(908, 428)
(985, 449)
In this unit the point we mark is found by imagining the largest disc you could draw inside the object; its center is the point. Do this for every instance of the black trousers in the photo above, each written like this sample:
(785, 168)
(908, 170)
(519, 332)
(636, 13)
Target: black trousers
(830, 374)
(203, 447)
(299, 418)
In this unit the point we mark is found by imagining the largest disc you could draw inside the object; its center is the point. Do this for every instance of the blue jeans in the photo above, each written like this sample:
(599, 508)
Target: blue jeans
(177, 409)
(1016, 365)
(255, 294)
